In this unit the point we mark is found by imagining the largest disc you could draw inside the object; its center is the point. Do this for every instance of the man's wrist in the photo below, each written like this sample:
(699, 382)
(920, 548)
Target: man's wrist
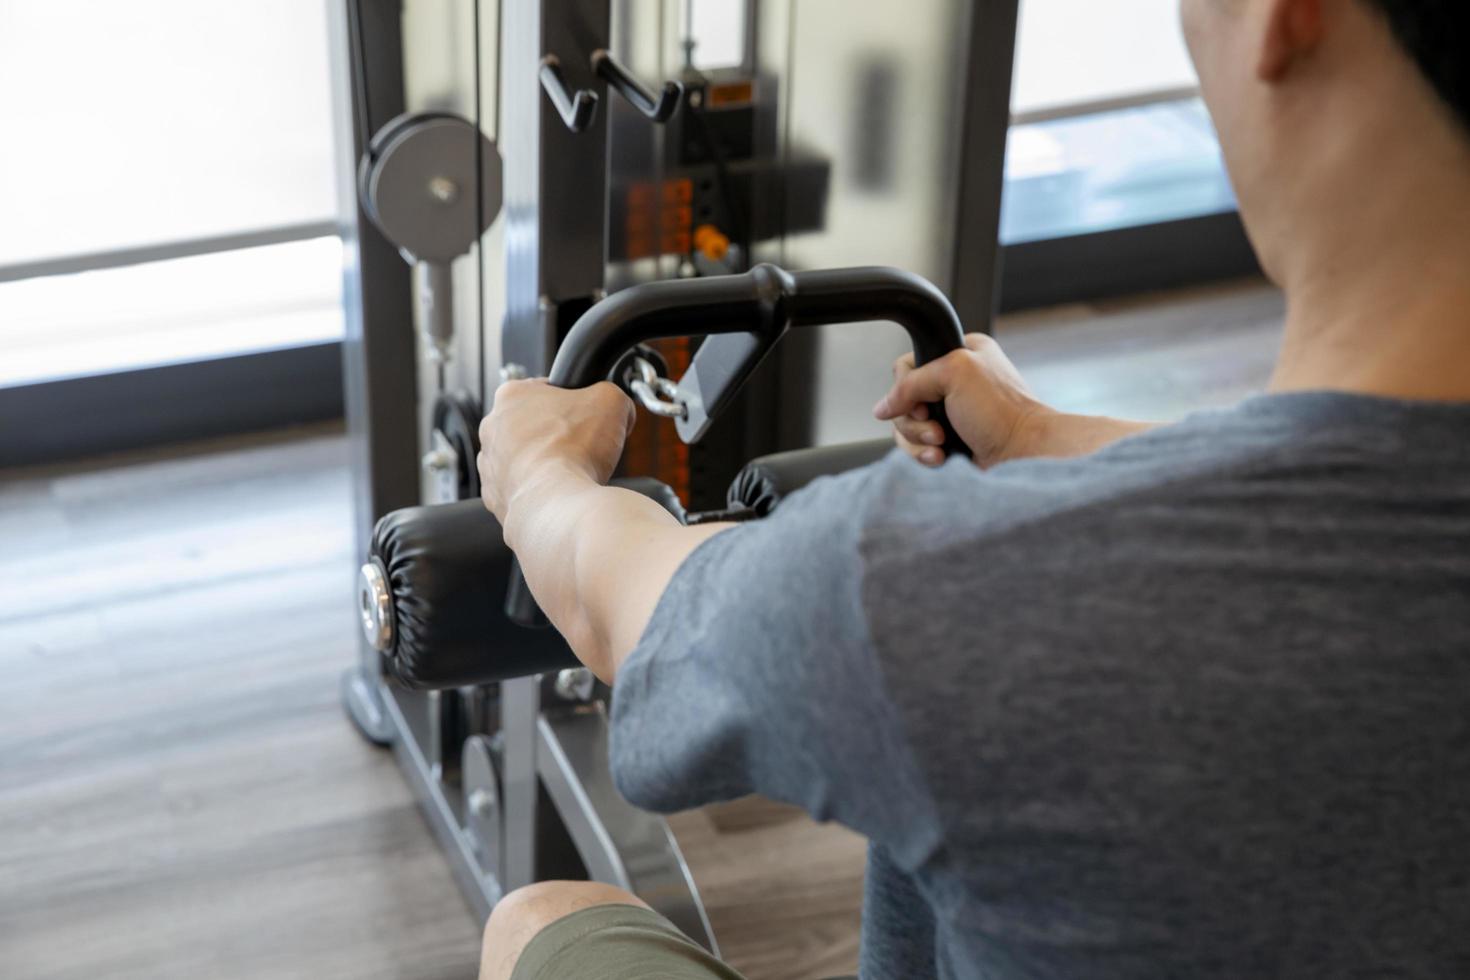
(1034, 431)
(1050, 433)
(545, 484)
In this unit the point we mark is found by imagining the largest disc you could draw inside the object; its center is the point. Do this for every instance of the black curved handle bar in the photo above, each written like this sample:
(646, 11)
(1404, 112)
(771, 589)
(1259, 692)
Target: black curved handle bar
(764, 303)
(761, 304)
(657, 108)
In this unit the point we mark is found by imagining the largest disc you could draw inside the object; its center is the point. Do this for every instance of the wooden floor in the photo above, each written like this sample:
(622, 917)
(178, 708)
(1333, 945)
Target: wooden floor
(180, 795)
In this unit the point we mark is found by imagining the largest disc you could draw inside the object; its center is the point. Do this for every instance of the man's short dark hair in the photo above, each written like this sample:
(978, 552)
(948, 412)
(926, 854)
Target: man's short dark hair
(1436, 34)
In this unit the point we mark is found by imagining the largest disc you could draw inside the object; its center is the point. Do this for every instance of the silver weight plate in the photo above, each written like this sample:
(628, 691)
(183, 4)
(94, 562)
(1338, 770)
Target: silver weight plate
(421, 187)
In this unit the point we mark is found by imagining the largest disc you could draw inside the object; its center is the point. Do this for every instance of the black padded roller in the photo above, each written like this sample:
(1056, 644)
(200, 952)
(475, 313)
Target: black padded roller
(447, 569)
(767, 481)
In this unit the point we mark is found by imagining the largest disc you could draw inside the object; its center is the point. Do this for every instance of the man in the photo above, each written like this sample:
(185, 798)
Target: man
(1121, 701)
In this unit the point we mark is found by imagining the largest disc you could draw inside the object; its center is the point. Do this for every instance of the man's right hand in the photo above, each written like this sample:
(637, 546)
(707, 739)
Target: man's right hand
(988, 404)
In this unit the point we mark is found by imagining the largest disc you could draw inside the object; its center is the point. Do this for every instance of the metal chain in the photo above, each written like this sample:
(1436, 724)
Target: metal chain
(659, 395)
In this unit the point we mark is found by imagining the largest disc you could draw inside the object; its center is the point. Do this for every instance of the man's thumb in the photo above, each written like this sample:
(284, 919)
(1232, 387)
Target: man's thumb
(920, 386)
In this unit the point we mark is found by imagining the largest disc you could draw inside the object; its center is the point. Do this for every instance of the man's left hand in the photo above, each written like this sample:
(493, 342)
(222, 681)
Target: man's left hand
(536, 431)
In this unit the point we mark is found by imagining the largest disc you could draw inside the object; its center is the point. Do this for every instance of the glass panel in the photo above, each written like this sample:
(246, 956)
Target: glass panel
(872, 93)
(871, 88)
(160, 120)
(1112, 170)
(170, 312)
(1077, 174)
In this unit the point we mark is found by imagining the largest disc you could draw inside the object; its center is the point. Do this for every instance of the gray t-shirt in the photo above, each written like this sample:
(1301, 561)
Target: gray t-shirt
(1195, 706)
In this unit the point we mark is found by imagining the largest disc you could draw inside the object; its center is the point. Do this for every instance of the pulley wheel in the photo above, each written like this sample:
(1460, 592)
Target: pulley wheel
(419, 184)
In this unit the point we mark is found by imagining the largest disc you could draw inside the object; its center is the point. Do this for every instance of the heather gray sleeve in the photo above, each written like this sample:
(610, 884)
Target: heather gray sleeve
(757, 675)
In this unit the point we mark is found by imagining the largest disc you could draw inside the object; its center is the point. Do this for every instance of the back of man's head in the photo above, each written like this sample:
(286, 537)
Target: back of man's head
(1436, 34)
(1345, 125)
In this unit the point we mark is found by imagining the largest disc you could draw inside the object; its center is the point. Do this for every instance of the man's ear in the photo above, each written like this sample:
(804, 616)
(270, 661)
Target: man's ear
(1294, 28)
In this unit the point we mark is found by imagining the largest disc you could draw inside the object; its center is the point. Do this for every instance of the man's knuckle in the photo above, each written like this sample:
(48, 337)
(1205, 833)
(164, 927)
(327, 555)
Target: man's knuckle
(982, 343)
(505, 394)
(610, 396)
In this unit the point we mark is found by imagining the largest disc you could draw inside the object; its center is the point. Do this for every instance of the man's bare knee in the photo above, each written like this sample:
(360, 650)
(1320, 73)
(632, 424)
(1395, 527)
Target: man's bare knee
(519, 916)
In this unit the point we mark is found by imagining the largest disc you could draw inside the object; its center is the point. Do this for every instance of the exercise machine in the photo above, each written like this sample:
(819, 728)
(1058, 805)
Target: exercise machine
(545, 211)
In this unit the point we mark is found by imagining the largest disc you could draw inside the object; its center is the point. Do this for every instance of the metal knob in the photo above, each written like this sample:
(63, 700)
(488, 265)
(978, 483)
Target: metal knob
(575, 684)
(439, 460)
(375, 606)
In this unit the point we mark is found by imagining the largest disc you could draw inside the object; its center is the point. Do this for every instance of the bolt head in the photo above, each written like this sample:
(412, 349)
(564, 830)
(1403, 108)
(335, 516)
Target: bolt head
(575, 683)
(443, 190)
(375, 607)
(482, 803)
(438, 460)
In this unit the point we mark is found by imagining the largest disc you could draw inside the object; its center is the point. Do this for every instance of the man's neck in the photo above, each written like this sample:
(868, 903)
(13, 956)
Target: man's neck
(1401, 330)
(1378, 296)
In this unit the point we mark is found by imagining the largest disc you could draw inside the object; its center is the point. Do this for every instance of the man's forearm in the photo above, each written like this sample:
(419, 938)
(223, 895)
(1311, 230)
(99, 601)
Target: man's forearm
(1063, 435)
(597, 560)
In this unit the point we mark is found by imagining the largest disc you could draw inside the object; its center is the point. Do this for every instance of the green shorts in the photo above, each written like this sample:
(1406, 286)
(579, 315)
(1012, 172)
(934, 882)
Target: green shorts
(617, 942)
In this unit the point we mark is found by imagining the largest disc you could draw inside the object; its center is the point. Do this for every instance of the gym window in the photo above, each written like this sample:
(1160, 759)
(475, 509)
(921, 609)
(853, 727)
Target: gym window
(1107, 130)
(1114, 179)
(182, 210)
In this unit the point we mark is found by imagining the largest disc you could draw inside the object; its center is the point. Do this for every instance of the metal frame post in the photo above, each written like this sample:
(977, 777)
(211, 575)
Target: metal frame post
(983, 120)
(378, 348)
(555, 180)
